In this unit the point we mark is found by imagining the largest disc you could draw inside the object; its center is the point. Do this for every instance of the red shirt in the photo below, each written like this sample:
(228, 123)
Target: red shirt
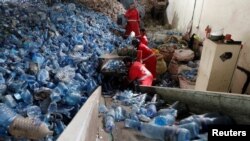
(146, 51)
(140, 72)
(132, 14)
(148, 58)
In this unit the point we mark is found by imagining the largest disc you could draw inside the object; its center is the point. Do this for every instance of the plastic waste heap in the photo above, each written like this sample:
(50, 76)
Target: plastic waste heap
(49, 60)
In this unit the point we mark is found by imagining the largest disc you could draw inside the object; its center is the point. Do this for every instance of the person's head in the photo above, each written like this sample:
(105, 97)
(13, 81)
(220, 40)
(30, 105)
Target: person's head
(143, 31)
(132, 5)
(136, 43)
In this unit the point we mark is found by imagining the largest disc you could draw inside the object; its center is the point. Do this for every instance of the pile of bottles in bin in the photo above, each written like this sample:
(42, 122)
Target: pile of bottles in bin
(115, 66)
(155, 121)
(48, 61)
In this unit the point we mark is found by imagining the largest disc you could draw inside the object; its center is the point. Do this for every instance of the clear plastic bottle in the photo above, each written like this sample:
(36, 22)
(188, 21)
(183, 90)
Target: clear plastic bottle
(109, 120)
(208, 119)
(102, 108)
(193, 128)
(119, 114)
(159, 132)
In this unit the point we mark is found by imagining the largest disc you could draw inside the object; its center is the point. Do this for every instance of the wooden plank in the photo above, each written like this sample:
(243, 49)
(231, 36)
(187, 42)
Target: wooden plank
(83, 126)
(235, 105)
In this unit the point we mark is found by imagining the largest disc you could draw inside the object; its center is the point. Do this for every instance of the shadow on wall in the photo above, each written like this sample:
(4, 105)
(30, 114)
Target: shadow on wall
(175, 20)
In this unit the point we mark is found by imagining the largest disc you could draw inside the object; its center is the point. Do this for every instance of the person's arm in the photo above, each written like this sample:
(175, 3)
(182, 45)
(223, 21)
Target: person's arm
(127, 14)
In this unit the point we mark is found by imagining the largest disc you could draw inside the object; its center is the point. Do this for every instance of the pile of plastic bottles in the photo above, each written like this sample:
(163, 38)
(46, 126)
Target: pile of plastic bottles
(115, 66)
(159, 123)
(48, 59)
(190, 74)
(165, 80)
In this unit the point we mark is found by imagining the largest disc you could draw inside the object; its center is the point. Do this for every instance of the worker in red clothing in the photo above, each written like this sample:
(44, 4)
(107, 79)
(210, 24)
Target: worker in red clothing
(143, 38)
(148, 57)
(133, 21)
(138, 72)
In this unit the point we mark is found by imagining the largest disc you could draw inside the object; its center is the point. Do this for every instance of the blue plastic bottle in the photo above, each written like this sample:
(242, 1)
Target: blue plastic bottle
(7, 115)
(164, 120)
(151, 110)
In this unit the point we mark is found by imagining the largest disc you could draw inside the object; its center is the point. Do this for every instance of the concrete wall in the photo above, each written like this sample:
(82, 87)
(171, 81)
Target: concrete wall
(232, 15)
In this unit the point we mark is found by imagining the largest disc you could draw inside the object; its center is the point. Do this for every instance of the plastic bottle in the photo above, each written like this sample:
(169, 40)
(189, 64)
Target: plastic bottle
(55, 97)
(193, 128)
(59, 127)
(34, 112)
(133, 116)
(2, 80)
(43, 76)
(208, 119)
(27, 97)
(7, 115)
(109, 120)
(102, 108)
(3, 88)
(159, 132)
(151, 110)
(164, 120)
(119, 114)
(130, 123)
(72, 98)
(167, 111)
(9, 100)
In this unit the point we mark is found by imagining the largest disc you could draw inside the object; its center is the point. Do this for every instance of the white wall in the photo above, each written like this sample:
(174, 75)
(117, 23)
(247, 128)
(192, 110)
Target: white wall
(232, 15)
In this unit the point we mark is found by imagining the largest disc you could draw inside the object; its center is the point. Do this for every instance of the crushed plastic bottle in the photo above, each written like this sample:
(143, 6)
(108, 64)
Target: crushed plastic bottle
(164, 120)
(151, 110)
(193, 128)
(159, 132)
(34, 112)
(208, 119)
(102, 108)
(10, 101)
(109, 120)
(7, 115)
(120, 114)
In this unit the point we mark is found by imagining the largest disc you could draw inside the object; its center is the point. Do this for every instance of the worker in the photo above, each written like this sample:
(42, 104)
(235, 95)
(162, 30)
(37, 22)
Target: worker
(133, 21)
(143, 38)
(138, 73)
(148, 56)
